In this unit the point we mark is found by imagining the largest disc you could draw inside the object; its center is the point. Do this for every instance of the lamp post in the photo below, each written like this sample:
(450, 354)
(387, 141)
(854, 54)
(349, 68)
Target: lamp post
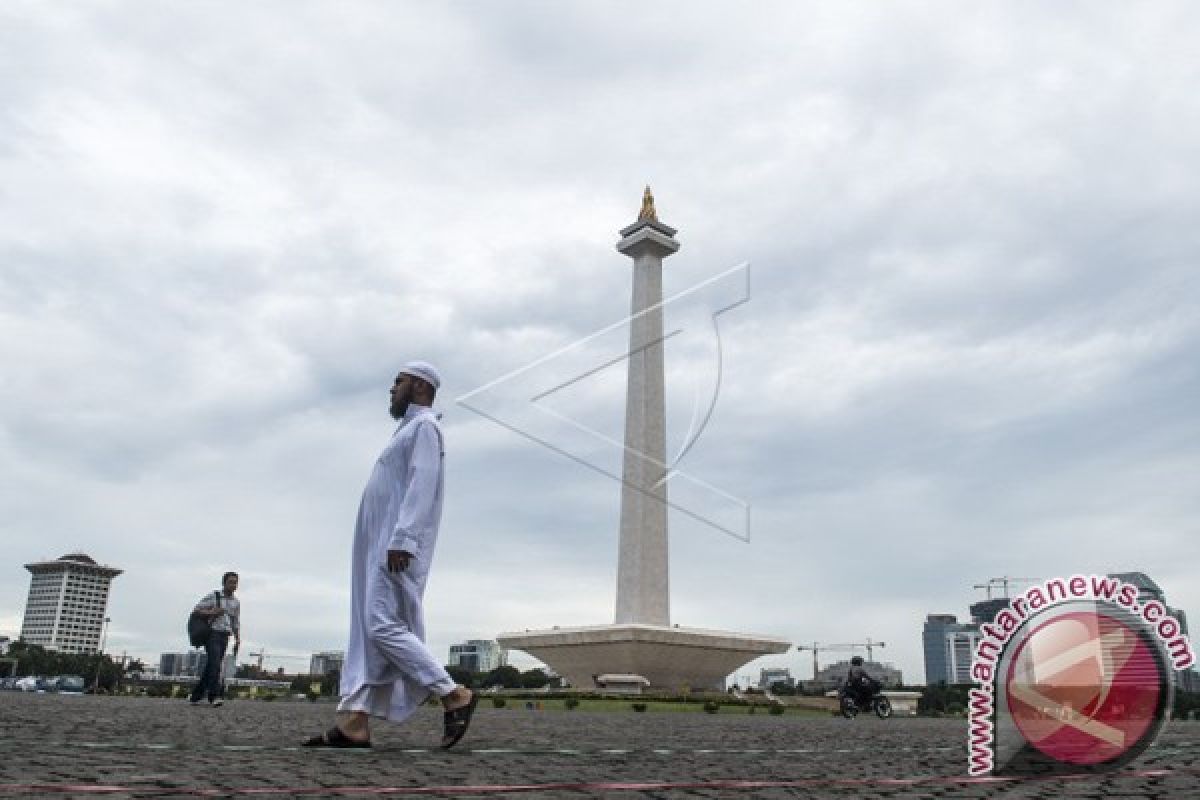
(100, 654)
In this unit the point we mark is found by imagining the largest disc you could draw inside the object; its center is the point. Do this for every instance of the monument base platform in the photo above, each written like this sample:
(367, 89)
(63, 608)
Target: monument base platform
(669, 658)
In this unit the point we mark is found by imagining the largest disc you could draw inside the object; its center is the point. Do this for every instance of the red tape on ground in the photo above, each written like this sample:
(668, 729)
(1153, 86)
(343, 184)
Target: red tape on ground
(583, 787)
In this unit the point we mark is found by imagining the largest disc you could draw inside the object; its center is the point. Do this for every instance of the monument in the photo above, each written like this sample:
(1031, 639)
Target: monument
(641, 641)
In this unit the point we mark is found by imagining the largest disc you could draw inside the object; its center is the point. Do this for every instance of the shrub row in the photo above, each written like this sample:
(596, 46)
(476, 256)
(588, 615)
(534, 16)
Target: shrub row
(710, 706)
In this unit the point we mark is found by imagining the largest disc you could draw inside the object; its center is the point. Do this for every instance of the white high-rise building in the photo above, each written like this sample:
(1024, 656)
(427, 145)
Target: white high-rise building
(960, 653)
(326, 662)
(68, 598)
(478, 655)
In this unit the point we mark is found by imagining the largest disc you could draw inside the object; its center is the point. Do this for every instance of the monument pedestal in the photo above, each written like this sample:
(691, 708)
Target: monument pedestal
(670, 658)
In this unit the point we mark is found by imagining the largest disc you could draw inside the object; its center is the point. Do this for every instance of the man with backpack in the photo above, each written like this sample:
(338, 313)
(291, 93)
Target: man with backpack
(224, 619)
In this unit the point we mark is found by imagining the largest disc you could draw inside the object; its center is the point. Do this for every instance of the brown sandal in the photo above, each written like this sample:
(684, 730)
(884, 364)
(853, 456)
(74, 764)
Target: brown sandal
(456, 722)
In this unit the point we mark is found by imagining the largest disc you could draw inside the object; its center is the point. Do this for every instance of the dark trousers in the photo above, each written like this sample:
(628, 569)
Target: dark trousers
(863, 691)
(210, 682)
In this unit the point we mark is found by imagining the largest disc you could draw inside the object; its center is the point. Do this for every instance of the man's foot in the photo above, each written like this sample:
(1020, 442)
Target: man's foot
(335, 738)
(459, 698)
(456, 720)
(217, 703)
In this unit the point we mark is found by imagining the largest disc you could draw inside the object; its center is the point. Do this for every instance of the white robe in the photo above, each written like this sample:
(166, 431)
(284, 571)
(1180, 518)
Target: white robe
(400, 510)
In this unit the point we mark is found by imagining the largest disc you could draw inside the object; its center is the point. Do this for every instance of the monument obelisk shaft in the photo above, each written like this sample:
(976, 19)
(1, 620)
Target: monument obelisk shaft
(643, 581)
(642, 646)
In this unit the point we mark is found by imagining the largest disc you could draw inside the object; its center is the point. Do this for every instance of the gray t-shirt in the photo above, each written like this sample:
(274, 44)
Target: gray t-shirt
(230, 621)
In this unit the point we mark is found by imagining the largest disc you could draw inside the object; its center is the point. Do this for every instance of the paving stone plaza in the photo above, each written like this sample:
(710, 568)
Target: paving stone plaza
(82, 746)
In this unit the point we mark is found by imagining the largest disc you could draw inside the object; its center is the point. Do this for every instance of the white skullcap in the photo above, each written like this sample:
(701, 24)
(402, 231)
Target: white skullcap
(425, 371)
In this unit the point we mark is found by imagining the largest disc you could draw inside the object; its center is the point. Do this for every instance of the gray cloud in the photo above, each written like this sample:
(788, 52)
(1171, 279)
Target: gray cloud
(969, 349)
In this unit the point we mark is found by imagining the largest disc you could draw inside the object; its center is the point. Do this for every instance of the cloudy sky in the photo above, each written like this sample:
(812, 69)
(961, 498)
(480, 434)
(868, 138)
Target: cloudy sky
(969, 349)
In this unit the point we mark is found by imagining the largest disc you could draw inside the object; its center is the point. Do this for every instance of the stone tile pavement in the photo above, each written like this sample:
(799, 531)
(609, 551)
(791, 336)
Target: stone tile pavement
(87, 747)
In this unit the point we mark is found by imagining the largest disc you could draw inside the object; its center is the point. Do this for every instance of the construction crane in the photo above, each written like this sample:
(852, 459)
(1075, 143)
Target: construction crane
(816, 649)
(869, 645)
(261, 654)
(1002, 582)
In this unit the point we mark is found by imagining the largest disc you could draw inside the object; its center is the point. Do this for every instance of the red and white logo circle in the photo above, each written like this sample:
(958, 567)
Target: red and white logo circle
(1086, 688)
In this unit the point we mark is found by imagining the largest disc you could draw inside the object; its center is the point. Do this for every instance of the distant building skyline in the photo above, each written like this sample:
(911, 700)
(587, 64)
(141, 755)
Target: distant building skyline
(1148, 590)
(985, 611)
(960, 645)
(326, 662)
(946, 656)
(933, 643)
(831, 676)
(949, 645)
(170, 664)
(477, 655)
(191, 664)
(769, 676)
(67, 603)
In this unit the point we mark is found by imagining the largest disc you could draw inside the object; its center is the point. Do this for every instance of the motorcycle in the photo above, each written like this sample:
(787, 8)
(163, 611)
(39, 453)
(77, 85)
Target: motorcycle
(851, 700)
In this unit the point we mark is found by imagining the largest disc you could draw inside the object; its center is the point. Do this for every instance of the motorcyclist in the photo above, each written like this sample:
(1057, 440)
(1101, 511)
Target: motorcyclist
(860, 685)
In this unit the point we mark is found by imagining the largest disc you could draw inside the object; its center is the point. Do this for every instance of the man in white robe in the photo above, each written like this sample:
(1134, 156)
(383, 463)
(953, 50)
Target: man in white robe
(389, 672)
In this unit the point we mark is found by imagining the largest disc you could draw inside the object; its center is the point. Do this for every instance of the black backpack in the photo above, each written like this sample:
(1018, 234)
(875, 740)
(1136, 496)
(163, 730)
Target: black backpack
(199, 626)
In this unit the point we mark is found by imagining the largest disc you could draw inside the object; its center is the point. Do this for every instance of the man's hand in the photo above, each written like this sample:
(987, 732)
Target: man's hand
(398, 560)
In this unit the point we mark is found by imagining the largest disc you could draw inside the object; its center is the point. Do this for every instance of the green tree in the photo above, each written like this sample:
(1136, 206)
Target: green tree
(248, 671)
(942, 698)
(534, 679)
(36, 660)
(1186, 703)
(462, 676)
(506, 676)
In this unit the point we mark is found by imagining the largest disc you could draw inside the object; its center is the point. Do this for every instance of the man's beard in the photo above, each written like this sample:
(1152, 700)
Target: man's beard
(398, 409)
